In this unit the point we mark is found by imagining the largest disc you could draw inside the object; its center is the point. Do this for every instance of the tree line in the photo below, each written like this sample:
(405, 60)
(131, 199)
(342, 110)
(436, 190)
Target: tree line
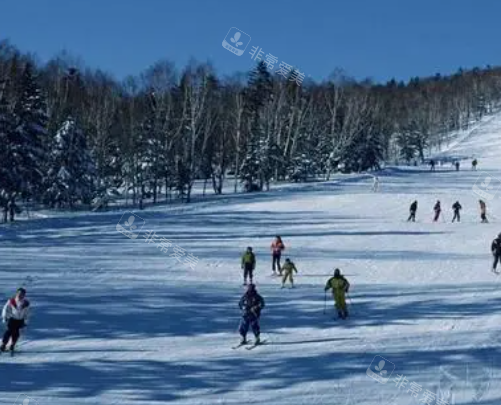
(74, 136)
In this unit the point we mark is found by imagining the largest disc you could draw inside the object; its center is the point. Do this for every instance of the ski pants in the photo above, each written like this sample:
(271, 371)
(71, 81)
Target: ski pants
(483, 217)
(249, 321)
(497, 259)
(456, 216)
(248, 272)
(339, 300)
(288, 275)
(13, 331)
(276, 261)
(412, 217)
(437, 215)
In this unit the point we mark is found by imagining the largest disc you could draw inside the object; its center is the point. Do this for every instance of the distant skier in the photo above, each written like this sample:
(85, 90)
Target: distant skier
(456, 208)
(375, 184)
(412, 210)
(277, 247)
(483, 212)
(457, 166)
(474, 164)
(251, 305)
(437, 210)
(248, 264)
(288, 269)
(432, 165)
(15, 316)
(496, 252)
(339, 286)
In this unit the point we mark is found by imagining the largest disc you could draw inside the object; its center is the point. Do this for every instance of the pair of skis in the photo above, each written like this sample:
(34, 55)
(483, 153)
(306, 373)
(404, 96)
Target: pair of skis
(249, 345)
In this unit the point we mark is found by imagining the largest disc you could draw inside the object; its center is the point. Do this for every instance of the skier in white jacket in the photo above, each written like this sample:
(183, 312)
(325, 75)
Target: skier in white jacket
(375, 184)
(15, 316)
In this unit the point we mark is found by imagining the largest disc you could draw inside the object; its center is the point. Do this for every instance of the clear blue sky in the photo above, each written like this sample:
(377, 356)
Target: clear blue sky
(380, 39)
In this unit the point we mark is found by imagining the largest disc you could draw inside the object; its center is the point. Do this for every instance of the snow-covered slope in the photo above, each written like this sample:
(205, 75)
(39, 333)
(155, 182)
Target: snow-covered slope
(119, 321)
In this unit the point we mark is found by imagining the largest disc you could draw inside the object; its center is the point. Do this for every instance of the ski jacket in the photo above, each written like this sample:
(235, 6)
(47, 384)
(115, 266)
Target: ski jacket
(277, 247)
(289, 267)
(337, 284)
(482, 207)
(251, 304)
(437, 207)
(248, 258)
(496, 247)
(457, 207)
(413, 207)
(16, 309)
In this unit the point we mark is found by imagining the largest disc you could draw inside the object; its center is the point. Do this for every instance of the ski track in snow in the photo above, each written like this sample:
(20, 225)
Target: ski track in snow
(118, 321)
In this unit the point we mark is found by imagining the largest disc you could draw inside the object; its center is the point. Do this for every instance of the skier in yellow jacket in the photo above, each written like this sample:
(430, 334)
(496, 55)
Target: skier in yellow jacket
(340, 287)
(288, 270)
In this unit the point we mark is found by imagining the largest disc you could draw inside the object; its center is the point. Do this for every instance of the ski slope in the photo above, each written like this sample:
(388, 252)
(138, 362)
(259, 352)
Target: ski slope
(119, 321)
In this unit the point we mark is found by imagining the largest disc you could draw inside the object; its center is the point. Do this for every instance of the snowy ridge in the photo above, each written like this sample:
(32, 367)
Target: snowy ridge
(119, 321)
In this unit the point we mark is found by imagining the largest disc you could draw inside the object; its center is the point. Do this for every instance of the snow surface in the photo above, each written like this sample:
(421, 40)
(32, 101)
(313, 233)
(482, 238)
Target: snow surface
(118, 321)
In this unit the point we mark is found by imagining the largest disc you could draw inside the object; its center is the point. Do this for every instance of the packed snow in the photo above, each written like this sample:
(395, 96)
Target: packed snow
(118, 320)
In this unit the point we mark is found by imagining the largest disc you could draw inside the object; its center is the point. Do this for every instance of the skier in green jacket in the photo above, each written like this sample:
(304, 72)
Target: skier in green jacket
(248, 264)
(339, 286)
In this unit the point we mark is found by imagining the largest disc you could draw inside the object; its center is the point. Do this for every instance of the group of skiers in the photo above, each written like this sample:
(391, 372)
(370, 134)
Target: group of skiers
(456, 164)
(252, 302)
(456, 208)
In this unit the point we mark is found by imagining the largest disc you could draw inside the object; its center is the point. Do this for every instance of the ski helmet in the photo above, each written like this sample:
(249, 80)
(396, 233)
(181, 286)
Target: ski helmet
(249, 248)
(287, 260)
(337, 272)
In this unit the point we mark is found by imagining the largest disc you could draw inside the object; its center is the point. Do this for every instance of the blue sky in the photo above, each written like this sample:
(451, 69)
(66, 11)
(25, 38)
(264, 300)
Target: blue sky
(380, 39)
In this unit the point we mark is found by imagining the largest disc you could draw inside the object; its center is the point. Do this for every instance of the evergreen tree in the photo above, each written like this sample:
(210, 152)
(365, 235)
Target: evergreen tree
(72, 174)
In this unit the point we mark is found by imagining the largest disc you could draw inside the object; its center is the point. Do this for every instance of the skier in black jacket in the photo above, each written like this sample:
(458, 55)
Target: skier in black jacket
(251, 305)
(496, 252)
(412, 210)
(456, 207)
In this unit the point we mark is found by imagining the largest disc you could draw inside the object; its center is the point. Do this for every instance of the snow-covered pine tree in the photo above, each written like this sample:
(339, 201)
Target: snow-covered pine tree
(71, 176)
(31, 133)
(10, 177)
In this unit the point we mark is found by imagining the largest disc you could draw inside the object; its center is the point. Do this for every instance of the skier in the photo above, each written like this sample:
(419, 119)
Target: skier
(437, 210)
(483, 212)
(456, 207)
(496, 252)
(277, 246)
(248, 264)
(457, 166)
(474, 164)
(432, 165)
(412, 209)
(288, 270)
(375, 185)
(340, 286)
(251, 305)
(15, 316)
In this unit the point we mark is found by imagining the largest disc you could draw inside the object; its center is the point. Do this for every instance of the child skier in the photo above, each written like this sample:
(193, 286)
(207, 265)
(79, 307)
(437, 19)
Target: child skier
(340, 286)
(248, 264)
(437, 210)
(277, 246)
(456, 207)
(251, 305)
(288, 270)
(483, 212)
(412, 210)
(15, 316)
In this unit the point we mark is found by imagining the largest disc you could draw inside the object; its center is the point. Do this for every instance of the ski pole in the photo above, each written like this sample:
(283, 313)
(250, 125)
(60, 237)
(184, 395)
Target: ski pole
(325, 301)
